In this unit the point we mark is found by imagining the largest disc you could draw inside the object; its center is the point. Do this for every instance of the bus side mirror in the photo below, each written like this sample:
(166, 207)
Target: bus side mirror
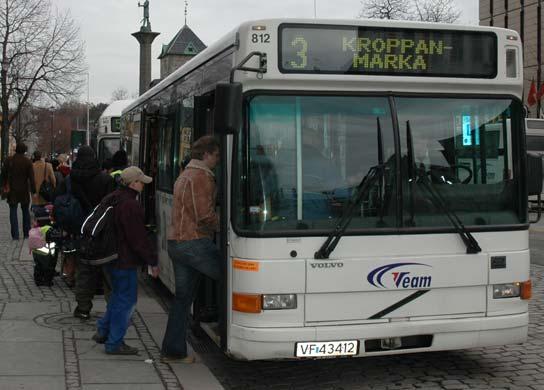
(228, 108)
(534, 174)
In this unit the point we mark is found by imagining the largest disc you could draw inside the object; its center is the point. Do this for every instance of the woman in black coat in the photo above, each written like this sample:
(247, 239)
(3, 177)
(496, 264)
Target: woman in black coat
(89, 186)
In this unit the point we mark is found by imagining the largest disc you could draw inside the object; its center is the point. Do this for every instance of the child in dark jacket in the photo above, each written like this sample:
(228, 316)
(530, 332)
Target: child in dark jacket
(134, 250)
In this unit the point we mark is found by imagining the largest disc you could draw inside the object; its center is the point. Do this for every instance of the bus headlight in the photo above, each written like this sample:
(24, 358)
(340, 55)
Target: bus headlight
(507, 290)
(279, 301)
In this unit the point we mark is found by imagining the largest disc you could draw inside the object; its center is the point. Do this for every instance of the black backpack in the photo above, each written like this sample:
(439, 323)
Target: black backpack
(98, 242)
(67, 210)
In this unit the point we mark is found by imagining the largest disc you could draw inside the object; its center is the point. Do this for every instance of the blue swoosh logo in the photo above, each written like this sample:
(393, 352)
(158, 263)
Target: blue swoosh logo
(376, 275)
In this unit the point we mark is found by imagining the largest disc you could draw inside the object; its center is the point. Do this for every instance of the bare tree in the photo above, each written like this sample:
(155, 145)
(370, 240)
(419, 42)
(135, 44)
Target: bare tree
(436, 11)
(42, 55)
(384, 9)
(422, 10)
(26, 125)
(120, 93)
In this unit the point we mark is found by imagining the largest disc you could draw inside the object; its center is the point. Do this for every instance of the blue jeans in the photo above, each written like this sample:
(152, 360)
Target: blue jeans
(190, 259)
(15, 223)
(120, 307)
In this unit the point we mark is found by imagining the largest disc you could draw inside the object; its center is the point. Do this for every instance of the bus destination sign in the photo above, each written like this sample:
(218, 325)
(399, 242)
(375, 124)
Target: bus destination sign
(387, 51)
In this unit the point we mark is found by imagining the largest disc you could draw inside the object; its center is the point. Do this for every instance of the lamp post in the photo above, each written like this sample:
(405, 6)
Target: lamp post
(52, 119)
(88, 99)
(53, 143)
(5, 119)
(19, 108)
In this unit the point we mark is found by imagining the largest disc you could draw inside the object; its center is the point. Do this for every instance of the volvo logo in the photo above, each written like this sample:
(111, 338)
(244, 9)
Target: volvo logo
(327, 265)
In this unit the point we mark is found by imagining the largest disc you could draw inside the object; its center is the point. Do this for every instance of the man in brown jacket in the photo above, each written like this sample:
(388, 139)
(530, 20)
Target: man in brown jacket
(18, 182)
(190, 244)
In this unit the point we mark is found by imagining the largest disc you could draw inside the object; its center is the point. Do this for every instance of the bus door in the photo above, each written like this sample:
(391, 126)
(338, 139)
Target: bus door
(148, 163)
(207, 306)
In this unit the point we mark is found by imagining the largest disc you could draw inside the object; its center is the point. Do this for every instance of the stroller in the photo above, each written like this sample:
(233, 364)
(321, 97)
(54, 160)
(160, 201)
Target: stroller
(45, 263)
(42, 243)
(41, 215)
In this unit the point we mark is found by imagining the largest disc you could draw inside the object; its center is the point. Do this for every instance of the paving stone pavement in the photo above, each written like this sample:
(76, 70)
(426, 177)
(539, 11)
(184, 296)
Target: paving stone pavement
(44, 347)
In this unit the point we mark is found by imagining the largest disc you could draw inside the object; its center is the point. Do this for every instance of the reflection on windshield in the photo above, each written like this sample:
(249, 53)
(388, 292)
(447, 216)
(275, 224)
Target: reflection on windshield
(302, 156)
(306, 155)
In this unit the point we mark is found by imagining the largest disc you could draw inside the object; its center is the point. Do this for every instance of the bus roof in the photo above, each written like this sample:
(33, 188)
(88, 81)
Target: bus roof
(231, 39)
(116, 107)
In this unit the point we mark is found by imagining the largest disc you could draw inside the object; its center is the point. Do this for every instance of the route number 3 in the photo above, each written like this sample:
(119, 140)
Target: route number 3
(260, 38)
(301, 45)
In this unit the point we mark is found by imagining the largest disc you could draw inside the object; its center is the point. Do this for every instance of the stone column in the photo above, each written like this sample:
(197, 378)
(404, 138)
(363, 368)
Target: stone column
(145, 38)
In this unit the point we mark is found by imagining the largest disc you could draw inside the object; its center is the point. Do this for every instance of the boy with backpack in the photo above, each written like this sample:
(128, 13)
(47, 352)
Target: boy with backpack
(134, 249)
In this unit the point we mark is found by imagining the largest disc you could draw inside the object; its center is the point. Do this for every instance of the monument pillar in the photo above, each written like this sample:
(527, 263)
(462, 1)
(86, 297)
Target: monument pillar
(145, 38)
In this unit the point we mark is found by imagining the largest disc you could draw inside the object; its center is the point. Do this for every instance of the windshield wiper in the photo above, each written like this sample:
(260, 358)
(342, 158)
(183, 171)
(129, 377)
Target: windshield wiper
(372, 176)
(421, 176)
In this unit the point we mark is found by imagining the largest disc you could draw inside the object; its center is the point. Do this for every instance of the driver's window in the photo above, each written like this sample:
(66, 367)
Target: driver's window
(463, 149)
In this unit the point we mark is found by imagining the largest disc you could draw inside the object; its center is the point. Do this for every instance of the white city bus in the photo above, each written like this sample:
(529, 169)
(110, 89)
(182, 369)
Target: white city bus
(109, 127)
(372, 188)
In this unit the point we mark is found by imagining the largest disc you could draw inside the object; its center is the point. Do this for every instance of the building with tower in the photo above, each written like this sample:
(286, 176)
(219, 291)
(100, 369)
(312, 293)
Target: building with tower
(184, 46)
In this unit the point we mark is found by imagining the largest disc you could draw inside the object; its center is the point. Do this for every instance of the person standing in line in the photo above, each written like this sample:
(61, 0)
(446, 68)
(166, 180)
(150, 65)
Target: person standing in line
(119, 161)
(190, 242)
(59, 178)
(134, 250)
(18, 182)
(43, 171)
(89, 185)
(63, 164)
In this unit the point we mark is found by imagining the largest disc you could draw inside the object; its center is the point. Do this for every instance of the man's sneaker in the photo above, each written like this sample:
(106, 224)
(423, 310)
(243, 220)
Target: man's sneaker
(99, 339)
(124, 349)
(189, 359)
(84, 315)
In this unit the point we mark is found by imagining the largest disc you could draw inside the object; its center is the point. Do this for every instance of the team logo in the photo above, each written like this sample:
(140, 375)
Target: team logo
(400, 275)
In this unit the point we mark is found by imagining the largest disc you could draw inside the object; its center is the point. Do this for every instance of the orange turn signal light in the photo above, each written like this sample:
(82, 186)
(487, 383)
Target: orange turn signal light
(247, 303)
(526, 290)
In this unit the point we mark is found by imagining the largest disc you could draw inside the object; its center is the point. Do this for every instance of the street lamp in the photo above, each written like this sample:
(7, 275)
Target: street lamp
(53, 142)
(19, 108)
(52, 108)
(88, 103)
(5, 120)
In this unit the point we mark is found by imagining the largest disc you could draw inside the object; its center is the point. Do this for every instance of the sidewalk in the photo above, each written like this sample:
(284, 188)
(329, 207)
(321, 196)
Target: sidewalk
(44, 347)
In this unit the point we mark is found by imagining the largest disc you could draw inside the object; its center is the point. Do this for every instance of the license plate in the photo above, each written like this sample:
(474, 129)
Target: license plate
(327, 348)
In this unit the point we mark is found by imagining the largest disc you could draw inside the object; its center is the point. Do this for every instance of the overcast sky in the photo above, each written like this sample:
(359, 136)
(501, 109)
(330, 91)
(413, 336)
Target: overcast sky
(113, 54)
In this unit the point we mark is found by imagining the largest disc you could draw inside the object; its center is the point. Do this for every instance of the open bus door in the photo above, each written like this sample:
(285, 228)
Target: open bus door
(206, 306)
(218, 114)
(148, 152)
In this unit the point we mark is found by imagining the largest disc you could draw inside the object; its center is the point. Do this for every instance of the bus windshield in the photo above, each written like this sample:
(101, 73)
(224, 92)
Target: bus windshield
(301, 158)
(107, 148)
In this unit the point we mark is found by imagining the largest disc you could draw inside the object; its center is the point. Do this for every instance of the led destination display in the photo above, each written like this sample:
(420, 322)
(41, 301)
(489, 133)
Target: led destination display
(385, 51)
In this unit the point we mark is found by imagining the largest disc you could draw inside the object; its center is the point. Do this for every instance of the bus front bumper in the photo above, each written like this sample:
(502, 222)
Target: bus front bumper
(279, 343)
